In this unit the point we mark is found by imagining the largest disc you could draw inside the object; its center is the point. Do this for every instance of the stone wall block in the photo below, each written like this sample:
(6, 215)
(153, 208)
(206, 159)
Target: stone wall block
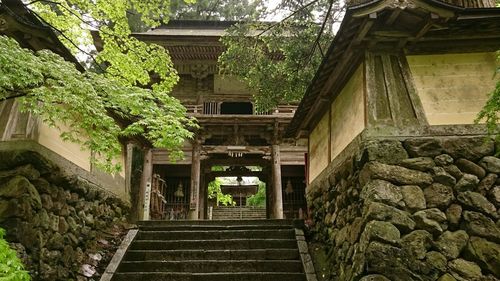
(417, 243)
(470, 167)
(390, 261)
(440, 175)
(382, 212)
(494, 195)
(473, 148)
(380, 231)
(487, 183)
(413, 197)
(422, 147)
(384, 192)
(438, 196)
(443, 160)
(419, 163)
(491, 164)
(432, 220)
(454, 214)
(485, 253)
(447, 277)
(477, 202)
(467, 183)
(454, 171)
(385, 151)
(374, 277)
(480, 225)
(395, 174)
(464, 270)
(451, 244)
(437, 260)
(8, 209)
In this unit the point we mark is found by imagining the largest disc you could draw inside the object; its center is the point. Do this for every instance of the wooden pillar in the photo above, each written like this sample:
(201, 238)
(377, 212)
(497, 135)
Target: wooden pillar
(145, 190)
(194, 203)
(277, 202)
(201, 199)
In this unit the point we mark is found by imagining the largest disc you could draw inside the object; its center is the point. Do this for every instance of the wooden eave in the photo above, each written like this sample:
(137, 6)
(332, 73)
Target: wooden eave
(411, 27)
(18, 22)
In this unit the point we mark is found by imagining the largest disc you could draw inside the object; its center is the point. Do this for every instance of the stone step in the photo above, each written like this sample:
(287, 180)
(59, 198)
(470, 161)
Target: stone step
(211, 266)
(176, 255)
(209, 227)
(215, 234)
(228, 276)
(208, 244)
(216, 250)
(225, 223)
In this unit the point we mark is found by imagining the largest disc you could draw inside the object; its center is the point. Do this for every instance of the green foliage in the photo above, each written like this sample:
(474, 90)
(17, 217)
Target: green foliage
(128, 60)
(491, 111)
(11, 268)
(280, 62)
(218, 10)
(259, 198)
(81, 104)
(215, 192)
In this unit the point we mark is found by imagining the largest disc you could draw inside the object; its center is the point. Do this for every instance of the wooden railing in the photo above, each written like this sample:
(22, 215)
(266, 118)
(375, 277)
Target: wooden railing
(208, 109)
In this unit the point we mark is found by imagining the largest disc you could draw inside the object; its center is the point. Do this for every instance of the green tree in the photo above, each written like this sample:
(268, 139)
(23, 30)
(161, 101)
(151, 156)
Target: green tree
(230, 10)
(491, 111)
(215, 192)
(84, 102)
(259, 198)
(281, 58)
(11, 268)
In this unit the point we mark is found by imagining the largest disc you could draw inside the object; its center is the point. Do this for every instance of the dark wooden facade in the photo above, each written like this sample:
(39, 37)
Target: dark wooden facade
(232, 134)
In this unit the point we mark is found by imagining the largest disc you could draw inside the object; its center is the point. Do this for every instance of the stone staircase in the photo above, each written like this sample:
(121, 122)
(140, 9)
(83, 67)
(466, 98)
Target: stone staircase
(238, 213)
(238, 250)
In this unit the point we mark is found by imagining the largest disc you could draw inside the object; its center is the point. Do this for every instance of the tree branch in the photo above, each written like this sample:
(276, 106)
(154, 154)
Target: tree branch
(286, 18)
(62, 33)
(16, 95)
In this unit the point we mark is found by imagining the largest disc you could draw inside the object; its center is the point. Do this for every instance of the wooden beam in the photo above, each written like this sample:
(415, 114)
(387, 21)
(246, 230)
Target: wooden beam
(237, 162)
(224, 149)
(219, 174)
(393, 16)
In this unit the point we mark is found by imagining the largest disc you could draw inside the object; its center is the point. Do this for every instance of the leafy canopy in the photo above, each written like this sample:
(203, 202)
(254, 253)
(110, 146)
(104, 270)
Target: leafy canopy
(215, 192)
(231, 10)
(97, 109)
(259, 198)
(127, 59)
(84, 102)
(11, 268)
(280, 58)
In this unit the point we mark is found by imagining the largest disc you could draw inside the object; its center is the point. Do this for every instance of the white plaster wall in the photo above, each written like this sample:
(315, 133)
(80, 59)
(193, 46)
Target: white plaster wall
(49, 137)
(453, 87)
(347, 122)
(318, 148)
(348, 113)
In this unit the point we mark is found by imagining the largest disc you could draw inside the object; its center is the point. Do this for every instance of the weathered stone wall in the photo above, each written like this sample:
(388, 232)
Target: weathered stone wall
(64, 229)
(411, 209)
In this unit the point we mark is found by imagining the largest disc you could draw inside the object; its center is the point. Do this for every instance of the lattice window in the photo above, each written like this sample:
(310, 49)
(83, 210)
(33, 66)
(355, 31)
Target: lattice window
(211, 108)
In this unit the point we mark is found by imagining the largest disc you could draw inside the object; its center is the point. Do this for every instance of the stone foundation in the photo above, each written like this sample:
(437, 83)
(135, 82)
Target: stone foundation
(411, 209)
(64, 228)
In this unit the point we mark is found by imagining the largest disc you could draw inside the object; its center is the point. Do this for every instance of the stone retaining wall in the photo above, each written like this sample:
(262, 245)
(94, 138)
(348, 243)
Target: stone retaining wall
(412, 209)
(64, 229)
